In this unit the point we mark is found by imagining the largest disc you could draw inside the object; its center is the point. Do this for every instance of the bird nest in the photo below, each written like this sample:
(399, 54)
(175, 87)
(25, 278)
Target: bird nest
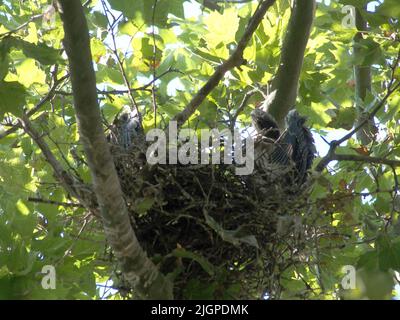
(222, 235)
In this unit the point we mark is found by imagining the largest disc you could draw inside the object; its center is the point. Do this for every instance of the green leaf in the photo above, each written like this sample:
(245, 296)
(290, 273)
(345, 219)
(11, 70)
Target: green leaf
(221, 27)
(205, 264)
(388, 253)
(29, 73)
(234, 237)
(5, 45)
(100, 20)
(390, 8)
(12, 98)
(368, 260)
(342, 118)
(142, 10)
(144, 204)
(369, 53)
(40, 52)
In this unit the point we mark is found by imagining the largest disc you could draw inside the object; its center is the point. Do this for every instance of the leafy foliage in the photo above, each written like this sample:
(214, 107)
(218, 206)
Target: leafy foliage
(166, 40)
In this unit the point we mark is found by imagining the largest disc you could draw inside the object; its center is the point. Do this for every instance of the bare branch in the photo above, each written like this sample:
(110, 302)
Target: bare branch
(212, 5)
(124, 91)
(74, 187)
(35, 109)
(22, 26)
(334, 144)
(121, 65)
(243, 104)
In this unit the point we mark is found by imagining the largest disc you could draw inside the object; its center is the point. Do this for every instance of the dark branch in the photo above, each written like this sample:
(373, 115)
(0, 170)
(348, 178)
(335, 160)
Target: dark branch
(70, 183)
(360, 158)
(56, 203)
(334, 144)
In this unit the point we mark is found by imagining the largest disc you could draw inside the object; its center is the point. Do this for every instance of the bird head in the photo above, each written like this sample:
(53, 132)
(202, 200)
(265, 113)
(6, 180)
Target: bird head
(265, 124)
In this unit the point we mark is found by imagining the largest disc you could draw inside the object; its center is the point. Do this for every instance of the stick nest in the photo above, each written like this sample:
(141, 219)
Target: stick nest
(212, 228)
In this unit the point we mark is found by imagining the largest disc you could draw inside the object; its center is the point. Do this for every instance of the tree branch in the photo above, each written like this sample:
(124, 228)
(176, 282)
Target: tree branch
(22, 26)
(334, 144)
(74, 187)
(360, 158)
(32, 111)
(243, 104)
(362, 78)
(134, 105)
(138, 269)
(124, 91)
(287, 77)
(235, 60)
(56, 203)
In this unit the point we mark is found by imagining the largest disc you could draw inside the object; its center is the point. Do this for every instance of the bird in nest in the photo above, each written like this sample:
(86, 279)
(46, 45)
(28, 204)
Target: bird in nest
(126, 128)
(278, 153)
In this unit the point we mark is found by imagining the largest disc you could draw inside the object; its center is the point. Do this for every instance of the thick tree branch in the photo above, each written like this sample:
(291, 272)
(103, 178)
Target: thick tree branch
(137, 268)
(235, 60)
(287, 77)
(362, 78)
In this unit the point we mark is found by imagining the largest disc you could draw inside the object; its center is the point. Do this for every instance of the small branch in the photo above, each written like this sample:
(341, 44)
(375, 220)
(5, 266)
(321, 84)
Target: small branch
(371, 115)
(212, 5)
(243, 104)
(32, 111)
(74, 187)
(235, 60)
(57, 203)
(334, 144)
(392, 87)
(352, 157)
(22, 26)
(125, 91)
(121, 65)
